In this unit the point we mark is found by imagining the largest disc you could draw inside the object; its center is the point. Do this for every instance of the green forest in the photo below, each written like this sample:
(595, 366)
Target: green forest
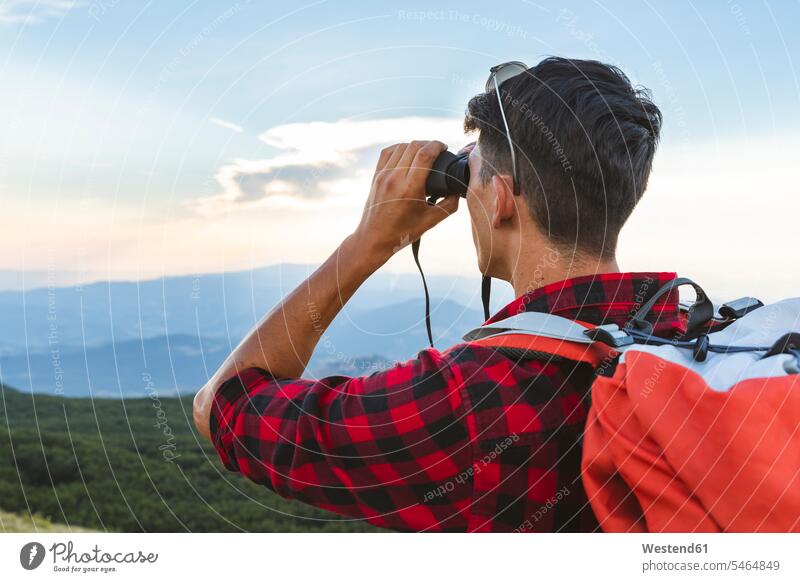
(132, 465)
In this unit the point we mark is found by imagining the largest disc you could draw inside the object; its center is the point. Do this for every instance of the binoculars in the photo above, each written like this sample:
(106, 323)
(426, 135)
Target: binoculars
(449, 176)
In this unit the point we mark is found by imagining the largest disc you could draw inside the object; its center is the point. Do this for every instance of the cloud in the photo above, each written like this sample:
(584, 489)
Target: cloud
(320, 161)
(33, 11)
(226, 124)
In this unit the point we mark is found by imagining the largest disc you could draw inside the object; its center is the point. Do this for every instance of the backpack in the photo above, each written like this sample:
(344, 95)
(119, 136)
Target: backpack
(696, 433)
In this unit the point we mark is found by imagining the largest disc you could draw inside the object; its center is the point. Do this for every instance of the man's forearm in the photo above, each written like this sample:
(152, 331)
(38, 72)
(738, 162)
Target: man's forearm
(283, 342)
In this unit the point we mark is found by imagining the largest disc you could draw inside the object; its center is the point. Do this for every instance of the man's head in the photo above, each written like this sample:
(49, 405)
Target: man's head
(585, 140)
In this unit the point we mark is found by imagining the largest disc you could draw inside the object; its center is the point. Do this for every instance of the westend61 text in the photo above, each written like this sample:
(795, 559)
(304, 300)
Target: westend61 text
(673, 549)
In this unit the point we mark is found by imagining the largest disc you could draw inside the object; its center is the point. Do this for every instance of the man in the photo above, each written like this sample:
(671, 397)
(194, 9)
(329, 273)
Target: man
(467, 439)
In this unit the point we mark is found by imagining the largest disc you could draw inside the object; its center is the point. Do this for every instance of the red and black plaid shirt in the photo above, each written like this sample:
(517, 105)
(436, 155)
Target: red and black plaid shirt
(463, 440)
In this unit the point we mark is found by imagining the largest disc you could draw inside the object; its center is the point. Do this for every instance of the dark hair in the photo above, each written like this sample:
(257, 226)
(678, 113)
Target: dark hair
(585, 140)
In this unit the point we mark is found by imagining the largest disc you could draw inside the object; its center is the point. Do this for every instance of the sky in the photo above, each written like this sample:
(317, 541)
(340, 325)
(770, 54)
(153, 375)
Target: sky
(147, 139)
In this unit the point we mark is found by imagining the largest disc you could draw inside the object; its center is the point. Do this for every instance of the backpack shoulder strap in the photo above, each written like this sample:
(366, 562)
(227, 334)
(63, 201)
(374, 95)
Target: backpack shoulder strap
(543, 336)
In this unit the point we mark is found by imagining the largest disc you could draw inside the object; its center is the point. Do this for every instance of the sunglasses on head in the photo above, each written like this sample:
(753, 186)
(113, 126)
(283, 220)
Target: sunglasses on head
(498, 75)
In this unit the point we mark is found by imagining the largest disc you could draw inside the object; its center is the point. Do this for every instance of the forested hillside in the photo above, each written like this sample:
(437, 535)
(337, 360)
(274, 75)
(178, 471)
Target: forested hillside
(131, 465)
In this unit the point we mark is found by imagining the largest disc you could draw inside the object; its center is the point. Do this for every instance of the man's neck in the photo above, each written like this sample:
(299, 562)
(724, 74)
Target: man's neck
(536, 270)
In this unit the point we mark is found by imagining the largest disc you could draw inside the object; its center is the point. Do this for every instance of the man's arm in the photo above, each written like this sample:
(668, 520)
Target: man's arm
(282, 343)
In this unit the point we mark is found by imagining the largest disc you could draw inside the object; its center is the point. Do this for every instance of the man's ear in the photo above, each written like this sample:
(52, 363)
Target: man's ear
(503, 189)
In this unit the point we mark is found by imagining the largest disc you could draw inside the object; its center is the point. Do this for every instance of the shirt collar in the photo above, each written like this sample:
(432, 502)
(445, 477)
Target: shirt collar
(602, 298)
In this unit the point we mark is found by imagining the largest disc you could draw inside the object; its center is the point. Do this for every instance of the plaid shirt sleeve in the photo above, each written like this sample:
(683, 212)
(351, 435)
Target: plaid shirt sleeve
(388, 447)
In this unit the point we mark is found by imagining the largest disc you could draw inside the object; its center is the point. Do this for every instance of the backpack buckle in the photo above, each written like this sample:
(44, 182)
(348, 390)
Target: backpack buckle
(739, 307)
(609, 334)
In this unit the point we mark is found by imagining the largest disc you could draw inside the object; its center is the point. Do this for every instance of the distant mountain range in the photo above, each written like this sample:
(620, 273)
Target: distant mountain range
(19, 280)
(113, 338)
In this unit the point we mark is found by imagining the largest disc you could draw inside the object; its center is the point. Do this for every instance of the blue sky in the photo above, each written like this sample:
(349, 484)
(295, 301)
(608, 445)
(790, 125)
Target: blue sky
(146, 138)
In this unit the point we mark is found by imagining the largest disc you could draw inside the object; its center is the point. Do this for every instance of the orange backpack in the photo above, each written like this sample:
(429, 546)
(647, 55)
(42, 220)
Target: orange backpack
(695, 433)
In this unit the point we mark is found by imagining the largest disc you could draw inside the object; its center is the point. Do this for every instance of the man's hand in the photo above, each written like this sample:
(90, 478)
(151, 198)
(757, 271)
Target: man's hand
(396, 212)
